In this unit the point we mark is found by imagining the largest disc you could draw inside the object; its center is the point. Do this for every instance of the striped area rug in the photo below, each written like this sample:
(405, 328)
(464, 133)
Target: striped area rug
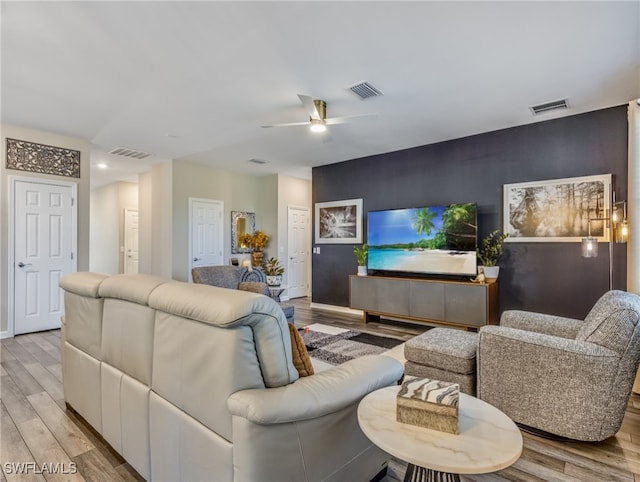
(336, 345)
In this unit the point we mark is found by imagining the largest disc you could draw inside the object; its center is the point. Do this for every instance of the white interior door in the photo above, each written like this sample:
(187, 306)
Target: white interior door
(44, 242)
(131, 232)
(206, 233)
(298, 241)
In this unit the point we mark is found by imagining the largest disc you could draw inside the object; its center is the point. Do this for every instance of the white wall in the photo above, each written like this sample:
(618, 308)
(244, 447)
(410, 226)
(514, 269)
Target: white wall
(238, 192)
(50, 139)
(145, 203)
(104, 232)
(162, 219)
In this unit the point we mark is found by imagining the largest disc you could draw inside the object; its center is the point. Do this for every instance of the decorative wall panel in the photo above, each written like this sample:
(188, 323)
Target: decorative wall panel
(33, 157)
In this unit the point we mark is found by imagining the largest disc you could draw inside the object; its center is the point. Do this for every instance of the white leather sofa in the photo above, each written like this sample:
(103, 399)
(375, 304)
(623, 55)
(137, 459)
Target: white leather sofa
(193, 382)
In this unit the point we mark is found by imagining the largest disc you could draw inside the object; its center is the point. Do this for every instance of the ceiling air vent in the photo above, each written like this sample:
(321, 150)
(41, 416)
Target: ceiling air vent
(364, 90)
(549, 106)
(258, 161)
(123, 151)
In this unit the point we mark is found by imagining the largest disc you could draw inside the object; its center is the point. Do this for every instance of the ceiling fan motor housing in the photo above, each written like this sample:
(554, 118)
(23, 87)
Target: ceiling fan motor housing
(321, 107)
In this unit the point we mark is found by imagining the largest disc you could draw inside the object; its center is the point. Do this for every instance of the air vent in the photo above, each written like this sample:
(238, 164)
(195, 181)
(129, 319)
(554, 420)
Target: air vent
(549, 106)
(364, 90)
(258, 161)
(123, 151)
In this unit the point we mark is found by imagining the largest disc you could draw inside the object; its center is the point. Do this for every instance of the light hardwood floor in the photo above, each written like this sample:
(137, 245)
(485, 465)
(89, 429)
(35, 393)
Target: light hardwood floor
(36, 427)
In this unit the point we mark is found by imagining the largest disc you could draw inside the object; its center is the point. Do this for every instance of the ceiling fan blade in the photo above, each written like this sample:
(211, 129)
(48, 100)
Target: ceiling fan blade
(347, 118)
(309, 106)
(290, 124)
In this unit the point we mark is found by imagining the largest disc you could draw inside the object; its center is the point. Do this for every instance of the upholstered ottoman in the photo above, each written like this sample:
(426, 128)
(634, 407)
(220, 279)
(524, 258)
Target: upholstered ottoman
(444, 354)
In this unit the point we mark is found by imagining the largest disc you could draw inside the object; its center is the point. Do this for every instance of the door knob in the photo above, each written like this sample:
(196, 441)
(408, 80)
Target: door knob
(196, 259)
(22, 265)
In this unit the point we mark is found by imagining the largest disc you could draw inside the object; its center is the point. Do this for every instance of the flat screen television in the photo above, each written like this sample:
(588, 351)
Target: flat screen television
(439, 240)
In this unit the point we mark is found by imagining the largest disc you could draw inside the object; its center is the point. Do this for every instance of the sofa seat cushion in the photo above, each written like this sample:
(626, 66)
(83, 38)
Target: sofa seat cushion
(445, 348)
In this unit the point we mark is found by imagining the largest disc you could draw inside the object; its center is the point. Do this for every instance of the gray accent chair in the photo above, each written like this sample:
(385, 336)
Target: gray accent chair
(567, 377)
(236, 278)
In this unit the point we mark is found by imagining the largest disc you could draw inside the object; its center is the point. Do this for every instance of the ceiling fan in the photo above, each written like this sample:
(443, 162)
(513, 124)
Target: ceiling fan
(318, 121)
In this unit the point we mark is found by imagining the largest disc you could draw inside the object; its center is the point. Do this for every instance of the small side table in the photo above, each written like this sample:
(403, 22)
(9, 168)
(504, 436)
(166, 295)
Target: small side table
(487, 441)
(276, 291)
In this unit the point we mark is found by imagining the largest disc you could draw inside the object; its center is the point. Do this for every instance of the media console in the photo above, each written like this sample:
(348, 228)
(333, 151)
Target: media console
(460, 303)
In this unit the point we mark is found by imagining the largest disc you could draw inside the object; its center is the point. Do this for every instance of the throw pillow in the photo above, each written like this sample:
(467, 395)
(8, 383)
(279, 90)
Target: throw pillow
(301, 359)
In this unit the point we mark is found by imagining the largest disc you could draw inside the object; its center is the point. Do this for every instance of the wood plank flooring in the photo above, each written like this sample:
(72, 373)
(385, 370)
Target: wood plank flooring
(37, 430)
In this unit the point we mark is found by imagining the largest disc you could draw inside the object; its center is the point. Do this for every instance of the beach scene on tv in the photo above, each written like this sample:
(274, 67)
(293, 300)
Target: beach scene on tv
(435, 239)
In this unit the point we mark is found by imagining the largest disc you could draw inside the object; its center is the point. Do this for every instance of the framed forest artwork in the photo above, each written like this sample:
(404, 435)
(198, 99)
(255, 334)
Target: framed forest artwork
(557, 210)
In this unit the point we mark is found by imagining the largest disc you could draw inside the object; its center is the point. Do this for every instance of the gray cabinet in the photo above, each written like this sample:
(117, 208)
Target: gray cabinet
(461, 303)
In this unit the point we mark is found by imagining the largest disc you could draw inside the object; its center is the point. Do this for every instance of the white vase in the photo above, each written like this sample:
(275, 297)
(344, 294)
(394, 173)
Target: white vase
(490, 272)
(274, 280)
(362, 271)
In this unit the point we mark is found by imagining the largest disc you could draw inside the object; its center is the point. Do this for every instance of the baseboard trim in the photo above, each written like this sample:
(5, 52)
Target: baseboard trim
(5, 334)
(339, 309)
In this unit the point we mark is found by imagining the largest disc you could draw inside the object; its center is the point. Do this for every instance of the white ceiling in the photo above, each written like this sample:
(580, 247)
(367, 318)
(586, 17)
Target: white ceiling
(197, 80)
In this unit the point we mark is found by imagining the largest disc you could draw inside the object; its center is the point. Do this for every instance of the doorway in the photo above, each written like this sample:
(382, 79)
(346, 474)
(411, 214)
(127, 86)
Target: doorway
(298, 241)
(42, 249)
(131, 235)
(206, 233)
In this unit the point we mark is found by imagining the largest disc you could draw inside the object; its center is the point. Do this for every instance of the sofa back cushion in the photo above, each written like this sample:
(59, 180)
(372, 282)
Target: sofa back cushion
(613, 321)
(232, 308)
(221, 276)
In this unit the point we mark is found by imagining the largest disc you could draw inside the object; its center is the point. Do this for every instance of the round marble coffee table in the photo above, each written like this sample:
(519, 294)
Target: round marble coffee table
(487, 441)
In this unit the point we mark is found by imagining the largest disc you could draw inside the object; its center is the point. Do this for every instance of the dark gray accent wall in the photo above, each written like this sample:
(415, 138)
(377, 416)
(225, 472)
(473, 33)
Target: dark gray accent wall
(544, 277)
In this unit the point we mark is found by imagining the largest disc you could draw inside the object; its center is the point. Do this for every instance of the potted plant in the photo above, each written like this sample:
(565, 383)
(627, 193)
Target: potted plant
(361, 257)
(274, 271)
(490, 251)
(256, 242)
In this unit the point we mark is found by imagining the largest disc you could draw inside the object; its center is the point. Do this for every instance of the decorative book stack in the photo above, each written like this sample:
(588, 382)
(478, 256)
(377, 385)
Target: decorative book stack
(429, 403)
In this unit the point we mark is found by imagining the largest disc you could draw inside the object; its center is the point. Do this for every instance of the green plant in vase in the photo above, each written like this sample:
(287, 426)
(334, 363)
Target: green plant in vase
(361, 253)
(489, 252)
(274, 271)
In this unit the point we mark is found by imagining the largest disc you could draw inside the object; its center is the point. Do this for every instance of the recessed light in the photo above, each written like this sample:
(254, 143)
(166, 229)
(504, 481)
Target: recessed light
(102, 165)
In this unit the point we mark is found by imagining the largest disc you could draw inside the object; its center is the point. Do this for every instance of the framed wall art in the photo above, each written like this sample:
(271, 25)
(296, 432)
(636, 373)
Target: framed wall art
(339, 222)
(43, 159)
(557, 210)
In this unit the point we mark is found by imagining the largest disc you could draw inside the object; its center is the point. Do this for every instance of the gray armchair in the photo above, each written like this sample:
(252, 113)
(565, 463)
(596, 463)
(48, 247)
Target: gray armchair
(567, 377)
(236, 278)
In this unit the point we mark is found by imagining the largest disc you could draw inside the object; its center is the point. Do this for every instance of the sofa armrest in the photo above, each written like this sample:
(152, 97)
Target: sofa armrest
(317, 395)
(254, 287)
(541, 323)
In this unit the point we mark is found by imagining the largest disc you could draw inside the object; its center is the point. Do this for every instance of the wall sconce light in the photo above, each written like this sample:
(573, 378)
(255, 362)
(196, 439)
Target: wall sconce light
(619, 233)
(620, 222)
(589, 247)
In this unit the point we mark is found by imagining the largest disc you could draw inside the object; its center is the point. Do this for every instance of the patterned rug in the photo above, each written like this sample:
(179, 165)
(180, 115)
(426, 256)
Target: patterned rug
(337, 348)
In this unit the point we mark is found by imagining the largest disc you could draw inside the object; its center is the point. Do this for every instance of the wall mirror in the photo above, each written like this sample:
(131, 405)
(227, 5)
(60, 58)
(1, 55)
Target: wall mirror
(241, 223)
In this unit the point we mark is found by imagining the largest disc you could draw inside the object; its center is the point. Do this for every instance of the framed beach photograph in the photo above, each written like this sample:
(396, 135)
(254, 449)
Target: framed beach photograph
(339, 222)
(557, 210)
